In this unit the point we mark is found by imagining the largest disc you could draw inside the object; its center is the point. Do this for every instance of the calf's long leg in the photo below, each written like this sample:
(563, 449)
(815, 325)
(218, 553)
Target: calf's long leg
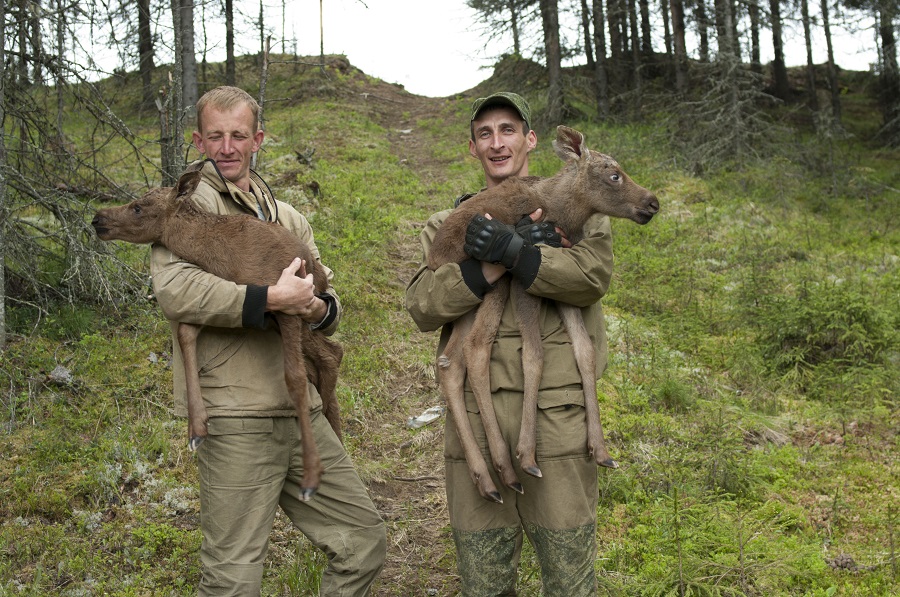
(584, 357)
(197, 418)
(326, 357)
(295, 377)
(477, 350)
(528, 319)
(452, 376)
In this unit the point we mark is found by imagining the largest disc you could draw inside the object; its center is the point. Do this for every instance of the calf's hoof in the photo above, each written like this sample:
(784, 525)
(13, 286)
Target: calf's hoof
(194, 442)
(307, 493)
(533, 470)
(608, 463)
(486, 487)
(494, 496)
(528, 462)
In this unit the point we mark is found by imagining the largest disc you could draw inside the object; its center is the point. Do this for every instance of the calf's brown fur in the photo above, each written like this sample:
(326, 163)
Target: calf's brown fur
(245, 250)
(590, 183)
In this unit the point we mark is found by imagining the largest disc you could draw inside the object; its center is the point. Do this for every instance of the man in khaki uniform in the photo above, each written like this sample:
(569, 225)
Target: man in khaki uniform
(558, 511)
(251, 462)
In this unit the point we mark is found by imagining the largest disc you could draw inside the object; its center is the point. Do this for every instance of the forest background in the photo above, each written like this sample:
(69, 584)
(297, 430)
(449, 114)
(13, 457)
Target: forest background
(752, 391)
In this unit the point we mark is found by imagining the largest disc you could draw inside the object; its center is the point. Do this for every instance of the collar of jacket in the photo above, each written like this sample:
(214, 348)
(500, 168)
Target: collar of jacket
(465, 196)
(260, 201)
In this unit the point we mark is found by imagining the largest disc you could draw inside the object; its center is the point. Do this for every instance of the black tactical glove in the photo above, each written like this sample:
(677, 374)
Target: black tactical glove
(538, 233)
(493, 241)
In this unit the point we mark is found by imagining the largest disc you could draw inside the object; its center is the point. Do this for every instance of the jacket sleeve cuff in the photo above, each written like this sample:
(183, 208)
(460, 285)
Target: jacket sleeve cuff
(330, 314)
(254, 312)
(474, 277)
(526, 268)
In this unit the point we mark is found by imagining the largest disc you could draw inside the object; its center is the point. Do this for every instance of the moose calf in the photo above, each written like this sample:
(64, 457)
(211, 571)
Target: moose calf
(245, 250)
(590, 183)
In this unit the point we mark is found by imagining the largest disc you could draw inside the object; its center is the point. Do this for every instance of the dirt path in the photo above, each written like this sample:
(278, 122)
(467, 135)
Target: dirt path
(411, 498)
(408, 489)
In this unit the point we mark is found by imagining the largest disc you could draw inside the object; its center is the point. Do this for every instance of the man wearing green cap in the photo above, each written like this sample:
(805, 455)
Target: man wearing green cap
(557, 511)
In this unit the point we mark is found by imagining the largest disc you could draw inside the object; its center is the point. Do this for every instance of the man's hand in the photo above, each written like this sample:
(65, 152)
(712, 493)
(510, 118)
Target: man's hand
(295, 295)
(492, 241)
(536, 232)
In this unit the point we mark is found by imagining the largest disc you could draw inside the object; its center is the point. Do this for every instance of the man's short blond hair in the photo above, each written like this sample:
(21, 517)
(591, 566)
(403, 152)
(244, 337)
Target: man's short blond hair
(227, 98)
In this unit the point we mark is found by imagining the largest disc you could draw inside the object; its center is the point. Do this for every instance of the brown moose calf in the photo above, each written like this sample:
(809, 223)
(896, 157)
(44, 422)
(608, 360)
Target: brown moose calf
(590, 183)
(244, 250)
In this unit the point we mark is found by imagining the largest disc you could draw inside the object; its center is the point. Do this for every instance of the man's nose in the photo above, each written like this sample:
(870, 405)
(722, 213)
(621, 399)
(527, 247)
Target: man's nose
(226, 144)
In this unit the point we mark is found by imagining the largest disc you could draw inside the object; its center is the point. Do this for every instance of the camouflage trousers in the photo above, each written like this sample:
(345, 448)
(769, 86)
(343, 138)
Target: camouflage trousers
(557, 512)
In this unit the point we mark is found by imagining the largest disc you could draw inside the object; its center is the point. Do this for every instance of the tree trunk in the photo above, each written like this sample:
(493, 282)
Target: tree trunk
(601, 76)
(230, 77)
(617, 44)
(188, 57)
(586, 27)
(646, 33)
(679, 49)
(172, 109)
(832, 71)
(812, 100)
(636, 62)
(726, 33)
(321, 35)
(68, 159)
(702, 29)
(21, 24)
(890, 75)
(667, 28)
(755, 50)
(550, 20)
(782, 89)
(145, 52)
(263, 81)
(262, 32)
(4, 200)
(36, 41)
(204, 50)
(514, 27)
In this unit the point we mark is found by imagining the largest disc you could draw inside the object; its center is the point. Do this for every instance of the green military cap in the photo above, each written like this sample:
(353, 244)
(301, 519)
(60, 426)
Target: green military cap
(504, 98)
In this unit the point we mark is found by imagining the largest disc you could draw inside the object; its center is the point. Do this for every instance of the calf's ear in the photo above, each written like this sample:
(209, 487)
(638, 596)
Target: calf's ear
(569, 144)
(187, 184)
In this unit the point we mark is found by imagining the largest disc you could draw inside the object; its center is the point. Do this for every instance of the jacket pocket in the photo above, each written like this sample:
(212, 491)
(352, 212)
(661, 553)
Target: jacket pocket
(215, 346)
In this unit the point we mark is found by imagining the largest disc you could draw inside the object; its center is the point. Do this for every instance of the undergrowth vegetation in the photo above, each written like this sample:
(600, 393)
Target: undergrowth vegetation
(751, 395)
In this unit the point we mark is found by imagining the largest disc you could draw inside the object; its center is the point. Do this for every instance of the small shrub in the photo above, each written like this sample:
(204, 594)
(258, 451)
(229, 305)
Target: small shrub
(833, 324)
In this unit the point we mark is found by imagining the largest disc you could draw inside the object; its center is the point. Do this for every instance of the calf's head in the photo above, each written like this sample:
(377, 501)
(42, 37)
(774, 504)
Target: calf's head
(144, 219)
(600, 182)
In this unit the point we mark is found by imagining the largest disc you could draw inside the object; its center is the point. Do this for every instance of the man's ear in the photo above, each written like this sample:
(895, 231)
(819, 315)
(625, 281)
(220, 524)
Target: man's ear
(531, 137)
(197, 138)
(258, 139)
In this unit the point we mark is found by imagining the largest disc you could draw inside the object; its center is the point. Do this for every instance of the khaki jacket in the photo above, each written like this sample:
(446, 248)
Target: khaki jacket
(241, 368)
(579, 276)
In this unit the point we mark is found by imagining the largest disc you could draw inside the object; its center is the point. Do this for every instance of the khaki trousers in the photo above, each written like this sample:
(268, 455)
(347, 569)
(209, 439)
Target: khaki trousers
(250, 466)
(558, 512)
